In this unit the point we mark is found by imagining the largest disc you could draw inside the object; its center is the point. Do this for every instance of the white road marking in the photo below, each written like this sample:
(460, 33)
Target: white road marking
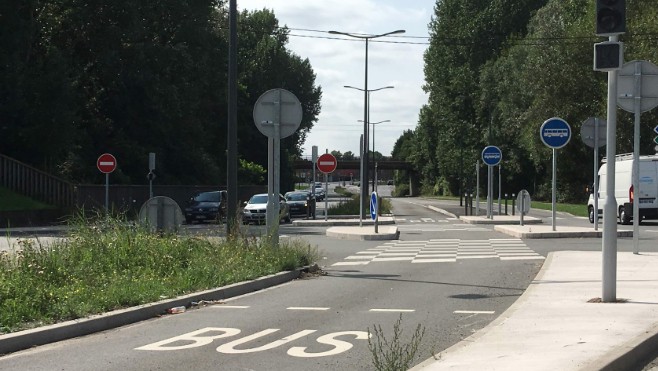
(474, 312)
(308, 308)
(230, 306)
(392, 310)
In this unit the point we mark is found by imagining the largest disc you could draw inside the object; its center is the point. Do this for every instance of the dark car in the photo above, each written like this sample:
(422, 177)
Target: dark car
(206, 206)
(298, 202)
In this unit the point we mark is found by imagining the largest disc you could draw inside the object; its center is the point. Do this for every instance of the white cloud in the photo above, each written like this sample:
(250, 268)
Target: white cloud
(341, 62)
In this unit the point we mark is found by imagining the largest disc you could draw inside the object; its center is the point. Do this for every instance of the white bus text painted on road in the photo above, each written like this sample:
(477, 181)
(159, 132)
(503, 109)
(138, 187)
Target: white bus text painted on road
(206, 336)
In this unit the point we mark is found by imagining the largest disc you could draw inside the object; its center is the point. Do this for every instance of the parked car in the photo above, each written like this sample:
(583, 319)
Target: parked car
(206, 206)
(319, 192)
(298, 202)
(255, 209)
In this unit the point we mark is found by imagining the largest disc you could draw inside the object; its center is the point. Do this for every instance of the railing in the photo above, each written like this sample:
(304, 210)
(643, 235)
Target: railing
(39, 185)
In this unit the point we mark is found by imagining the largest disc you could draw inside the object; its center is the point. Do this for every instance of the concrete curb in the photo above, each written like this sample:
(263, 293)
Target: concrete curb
(361, 234)
(441, 211)
(632, 355)
(66, 330)
(516, 232)
(341, 222)
(500, 220)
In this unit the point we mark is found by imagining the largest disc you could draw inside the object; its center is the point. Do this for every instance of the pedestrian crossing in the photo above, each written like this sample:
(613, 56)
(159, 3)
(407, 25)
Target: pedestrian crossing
(443, 251)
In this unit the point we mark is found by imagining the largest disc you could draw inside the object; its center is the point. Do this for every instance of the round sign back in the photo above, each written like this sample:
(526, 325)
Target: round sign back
(277, 106)
(648, 79)
(106, 163)
(589, 129)
(555, 132)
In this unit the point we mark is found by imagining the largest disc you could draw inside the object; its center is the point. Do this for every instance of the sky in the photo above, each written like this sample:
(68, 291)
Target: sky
(339, 60)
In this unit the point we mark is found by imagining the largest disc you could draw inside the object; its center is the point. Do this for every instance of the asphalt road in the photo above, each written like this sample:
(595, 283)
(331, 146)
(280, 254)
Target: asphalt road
(457, 278)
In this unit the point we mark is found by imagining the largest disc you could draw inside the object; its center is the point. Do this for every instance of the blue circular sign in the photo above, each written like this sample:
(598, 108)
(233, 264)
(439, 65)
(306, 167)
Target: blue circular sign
(555, 132)
(491, 155)
(373, 205)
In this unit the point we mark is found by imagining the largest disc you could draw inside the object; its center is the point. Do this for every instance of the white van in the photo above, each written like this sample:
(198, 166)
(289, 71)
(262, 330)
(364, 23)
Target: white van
(648, 193)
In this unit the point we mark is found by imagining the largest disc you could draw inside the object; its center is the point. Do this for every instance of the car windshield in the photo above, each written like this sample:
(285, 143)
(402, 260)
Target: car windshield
(296, 197)
(207, 197)
(258, 199)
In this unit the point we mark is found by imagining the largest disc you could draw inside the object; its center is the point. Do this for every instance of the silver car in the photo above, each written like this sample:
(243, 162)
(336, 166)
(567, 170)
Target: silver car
(255, 209)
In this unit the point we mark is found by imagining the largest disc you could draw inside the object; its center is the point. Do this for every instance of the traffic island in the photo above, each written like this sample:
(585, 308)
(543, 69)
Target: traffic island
(366, 233)
(500, 219)
(546, 231)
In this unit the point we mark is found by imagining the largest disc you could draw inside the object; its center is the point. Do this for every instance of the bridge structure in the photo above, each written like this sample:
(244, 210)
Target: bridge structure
(305, 164)
(348, 169)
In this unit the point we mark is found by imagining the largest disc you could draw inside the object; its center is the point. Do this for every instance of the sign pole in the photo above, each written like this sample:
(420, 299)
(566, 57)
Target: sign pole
(553, 198)
(477, 188)
(637, 105)
(596, 174)
(490, 193)
(499, 189)
(555, 133)
(326, 196)
(107, 193)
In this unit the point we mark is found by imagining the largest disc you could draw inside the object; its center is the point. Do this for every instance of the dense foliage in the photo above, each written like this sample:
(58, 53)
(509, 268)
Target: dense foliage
(83, 77)
(495, 70)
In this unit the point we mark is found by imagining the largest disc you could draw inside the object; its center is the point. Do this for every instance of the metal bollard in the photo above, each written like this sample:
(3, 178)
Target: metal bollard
(505, 203)
(466, 204)
(513, 202)
(471, 203)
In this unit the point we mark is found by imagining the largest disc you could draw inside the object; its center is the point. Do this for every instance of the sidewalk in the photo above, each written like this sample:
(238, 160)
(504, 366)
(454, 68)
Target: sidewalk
(560, 323)
(557, 324)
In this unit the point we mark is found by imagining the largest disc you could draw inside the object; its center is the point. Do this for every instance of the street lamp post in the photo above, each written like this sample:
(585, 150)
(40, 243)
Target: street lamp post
(364, 154)
(374, 180)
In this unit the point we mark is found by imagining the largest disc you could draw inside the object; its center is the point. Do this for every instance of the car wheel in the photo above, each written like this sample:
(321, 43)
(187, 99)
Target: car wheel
(623, 216)
(590, 212)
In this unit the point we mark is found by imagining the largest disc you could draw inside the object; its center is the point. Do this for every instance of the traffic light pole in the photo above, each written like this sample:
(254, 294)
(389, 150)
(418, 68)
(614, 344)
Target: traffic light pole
(610, 203)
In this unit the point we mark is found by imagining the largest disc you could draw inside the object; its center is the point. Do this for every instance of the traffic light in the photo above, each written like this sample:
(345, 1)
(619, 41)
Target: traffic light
(608, 56)
(610, 17)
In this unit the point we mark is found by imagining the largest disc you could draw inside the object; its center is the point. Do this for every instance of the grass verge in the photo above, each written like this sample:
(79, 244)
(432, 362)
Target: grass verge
(352, 206)
(110, 265)
(11, 201)
(573, 209)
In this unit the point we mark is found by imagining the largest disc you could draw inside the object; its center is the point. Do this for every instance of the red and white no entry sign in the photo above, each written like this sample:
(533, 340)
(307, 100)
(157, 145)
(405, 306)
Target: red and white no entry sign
(106, 163)
(327, 163)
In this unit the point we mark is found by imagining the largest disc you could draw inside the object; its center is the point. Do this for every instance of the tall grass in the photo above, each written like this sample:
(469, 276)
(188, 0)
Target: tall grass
(111, 264)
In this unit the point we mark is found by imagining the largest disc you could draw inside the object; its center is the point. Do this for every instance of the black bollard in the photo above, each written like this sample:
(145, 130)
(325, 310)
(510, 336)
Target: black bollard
(505, 203)
(513, 204)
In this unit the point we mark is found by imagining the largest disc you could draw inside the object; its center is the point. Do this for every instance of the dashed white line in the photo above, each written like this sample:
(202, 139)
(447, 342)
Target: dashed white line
(474, 312)
(392, 310)
(308, 308)
(230, 306)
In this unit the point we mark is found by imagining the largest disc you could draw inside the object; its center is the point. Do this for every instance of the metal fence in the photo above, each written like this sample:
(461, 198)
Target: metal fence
(41, 186)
